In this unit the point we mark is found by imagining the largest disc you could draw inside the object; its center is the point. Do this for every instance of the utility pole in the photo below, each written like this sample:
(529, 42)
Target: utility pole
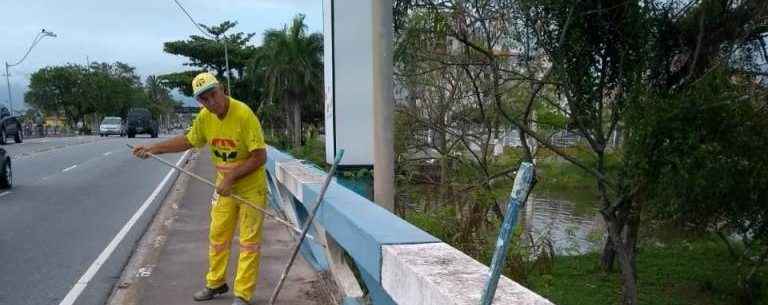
(383, 106)
(8, 84)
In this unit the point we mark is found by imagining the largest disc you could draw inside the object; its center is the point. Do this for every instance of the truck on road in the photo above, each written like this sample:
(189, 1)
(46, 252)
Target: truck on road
(10, 127)
(140, 121)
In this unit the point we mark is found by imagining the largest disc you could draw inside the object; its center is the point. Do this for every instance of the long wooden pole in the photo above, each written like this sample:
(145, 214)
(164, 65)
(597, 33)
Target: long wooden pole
(237, 197)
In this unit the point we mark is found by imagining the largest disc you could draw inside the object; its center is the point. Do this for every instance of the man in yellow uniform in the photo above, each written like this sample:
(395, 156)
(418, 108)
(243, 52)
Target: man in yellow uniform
(234, 136)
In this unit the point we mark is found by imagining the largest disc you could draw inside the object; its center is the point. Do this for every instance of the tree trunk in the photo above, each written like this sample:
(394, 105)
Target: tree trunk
(443, 138)
(628, 274)
(633, 225)
(296, 124)
(609, 255)
(624, 246)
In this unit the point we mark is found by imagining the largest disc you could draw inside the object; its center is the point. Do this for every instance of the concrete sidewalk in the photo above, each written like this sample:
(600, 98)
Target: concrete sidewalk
(171, 260)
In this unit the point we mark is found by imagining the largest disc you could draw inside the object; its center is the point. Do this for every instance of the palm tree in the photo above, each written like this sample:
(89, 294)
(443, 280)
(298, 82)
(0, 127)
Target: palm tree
(293, 67)
(160, 100)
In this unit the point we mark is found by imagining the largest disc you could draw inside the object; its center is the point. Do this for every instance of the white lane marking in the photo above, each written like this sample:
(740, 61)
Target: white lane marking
(5, 193)
(80, 285)
(107, 153)
(68, 168)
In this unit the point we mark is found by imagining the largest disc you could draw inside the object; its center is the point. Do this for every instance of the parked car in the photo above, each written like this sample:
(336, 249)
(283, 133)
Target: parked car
(9, 127)
(111, 125)
(140, 121)
(6, 175)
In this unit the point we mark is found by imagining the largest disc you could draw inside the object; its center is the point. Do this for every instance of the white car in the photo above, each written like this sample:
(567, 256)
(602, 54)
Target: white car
(111, 125)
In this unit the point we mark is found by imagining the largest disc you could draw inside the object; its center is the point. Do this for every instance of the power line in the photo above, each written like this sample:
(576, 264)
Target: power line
(209, 35)
(191, 19)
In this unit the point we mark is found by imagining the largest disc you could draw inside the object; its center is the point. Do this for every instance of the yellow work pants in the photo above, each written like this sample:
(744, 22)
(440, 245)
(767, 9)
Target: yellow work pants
(226, 214)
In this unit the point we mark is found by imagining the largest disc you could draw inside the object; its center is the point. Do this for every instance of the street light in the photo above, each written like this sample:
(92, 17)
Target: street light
(37, 39)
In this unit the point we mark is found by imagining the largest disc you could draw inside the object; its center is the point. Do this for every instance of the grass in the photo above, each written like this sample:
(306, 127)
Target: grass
(685, 273)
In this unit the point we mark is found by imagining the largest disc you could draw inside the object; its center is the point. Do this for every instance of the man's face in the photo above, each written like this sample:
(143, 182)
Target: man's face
(214, 100)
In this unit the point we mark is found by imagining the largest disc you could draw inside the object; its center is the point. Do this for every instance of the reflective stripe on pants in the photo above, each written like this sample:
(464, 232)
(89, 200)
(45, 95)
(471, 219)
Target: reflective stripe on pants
(226, 214)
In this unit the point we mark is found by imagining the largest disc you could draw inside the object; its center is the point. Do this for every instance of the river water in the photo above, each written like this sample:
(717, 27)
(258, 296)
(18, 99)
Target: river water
(572, 228)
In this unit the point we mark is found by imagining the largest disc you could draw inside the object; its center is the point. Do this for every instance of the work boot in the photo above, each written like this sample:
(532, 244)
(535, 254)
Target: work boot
(209, 293)
(240, 301)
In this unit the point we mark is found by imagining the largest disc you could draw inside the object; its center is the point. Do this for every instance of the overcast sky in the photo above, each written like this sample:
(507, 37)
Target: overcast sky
(129, 31)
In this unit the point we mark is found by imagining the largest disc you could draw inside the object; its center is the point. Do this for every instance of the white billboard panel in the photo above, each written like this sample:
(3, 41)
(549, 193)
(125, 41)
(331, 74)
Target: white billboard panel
(349, 80)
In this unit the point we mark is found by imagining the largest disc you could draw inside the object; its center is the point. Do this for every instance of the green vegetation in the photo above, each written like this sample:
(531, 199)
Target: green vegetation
(313, 149)
(207, 54)
(292, 68)
(668, 96)
(681, 273)
(76, 92)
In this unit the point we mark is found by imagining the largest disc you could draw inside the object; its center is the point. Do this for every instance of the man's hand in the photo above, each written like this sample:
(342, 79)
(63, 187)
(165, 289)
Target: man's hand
(143, 151)
(225, 186)
(176, 144)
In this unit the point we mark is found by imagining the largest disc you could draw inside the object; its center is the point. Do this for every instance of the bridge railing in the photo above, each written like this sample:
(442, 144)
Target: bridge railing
(372, 254)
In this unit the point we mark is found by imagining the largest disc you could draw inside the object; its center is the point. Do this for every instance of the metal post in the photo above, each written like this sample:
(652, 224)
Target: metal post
(383, 106)
(523, 184)
(8, 83)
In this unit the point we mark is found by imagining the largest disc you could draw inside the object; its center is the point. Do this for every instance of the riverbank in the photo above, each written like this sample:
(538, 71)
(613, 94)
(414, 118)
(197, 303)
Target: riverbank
(685, 272)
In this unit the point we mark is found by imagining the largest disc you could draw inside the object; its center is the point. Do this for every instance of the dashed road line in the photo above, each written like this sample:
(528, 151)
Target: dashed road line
(68, 168)
(5, 193)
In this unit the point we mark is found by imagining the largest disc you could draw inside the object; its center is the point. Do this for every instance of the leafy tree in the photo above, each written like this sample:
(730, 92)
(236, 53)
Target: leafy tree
(703, 153)
(181, 81)
(207, 54)
(61, 90)
(115, 88)
(292, 67)
(76, 91)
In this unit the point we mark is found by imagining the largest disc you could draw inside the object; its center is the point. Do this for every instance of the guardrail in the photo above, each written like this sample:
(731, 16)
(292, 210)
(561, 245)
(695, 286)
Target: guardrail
(395, 262)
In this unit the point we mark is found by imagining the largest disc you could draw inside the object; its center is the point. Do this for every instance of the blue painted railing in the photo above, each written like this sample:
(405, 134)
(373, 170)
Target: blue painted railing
(358, 225)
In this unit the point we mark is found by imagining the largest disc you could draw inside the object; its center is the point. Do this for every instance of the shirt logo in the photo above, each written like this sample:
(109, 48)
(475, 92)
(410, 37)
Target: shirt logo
(223, 143)
(225, 156)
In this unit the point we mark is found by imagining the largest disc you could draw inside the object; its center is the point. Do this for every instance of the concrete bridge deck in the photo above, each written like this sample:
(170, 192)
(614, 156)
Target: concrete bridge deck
(171, 260)
(363, 254)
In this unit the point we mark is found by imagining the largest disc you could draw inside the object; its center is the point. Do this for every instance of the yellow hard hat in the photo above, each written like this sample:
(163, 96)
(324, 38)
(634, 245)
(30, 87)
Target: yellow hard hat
(203, 82)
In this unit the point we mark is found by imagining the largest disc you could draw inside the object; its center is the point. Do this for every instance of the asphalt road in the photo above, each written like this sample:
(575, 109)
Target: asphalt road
(71, 198)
